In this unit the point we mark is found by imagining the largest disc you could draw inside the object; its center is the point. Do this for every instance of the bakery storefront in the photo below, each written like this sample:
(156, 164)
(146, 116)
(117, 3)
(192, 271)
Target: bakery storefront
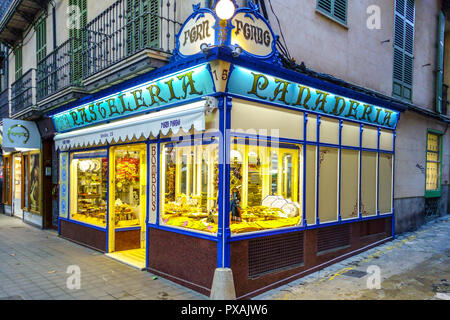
(22, 173)
(225, 159)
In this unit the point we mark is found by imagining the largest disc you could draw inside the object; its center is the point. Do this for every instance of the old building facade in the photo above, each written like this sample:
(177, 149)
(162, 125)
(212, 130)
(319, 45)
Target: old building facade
(58, 55)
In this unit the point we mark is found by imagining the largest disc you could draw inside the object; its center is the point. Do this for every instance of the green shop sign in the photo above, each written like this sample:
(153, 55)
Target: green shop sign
(258, 86)
(183, 86)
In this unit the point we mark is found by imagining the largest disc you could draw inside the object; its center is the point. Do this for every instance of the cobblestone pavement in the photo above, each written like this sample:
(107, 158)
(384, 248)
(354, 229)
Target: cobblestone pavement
(414, 266)
(33, 266)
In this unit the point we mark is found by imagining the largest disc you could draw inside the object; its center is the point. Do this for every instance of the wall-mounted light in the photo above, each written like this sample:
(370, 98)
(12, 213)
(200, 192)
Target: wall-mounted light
(205, 48)
(225, 9)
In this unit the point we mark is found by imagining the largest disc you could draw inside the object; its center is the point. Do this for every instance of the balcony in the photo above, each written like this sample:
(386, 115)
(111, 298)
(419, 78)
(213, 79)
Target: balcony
(4, 105)
(128, 38)
(56, 77)
(23, 96)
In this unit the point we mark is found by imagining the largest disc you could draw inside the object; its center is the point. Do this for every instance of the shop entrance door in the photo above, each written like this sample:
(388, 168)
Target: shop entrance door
(17, 187)
(128, 204)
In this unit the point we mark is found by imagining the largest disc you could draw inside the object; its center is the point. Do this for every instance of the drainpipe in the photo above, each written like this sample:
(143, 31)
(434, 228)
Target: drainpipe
(54, 24)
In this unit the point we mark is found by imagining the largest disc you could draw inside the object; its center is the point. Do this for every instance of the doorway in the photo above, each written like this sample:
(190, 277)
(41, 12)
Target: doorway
(17, 187)
(128, 204)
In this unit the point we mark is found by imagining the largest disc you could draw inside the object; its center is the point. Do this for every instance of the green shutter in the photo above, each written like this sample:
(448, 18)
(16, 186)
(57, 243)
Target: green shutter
(403, 49)
(440, 62)
(18, 62)
(41, 40)
(78, 37)
(336, 9)
(142, 25)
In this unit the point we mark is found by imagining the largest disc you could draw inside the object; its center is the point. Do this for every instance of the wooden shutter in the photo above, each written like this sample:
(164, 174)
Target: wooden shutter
(403, 48)
(336, 9)
(440, 62)
(41, 40)
(142, 25)
(78, 38)
(18, 62)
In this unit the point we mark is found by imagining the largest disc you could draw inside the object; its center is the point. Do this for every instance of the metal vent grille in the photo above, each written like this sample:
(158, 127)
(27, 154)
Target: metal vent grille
(333, 237)
(274, 253)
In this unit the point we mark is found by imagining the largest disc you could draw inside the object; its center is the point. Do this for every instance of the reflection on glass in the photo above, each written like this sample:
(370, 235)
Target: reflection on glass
(88, 185)
(189, 183)
(274, 172)
(26, 177)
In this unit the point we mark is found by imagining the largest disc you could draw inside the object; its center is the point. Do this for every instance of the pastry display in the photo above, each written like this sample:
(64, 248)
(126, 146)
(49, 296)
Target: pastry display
(92, 188)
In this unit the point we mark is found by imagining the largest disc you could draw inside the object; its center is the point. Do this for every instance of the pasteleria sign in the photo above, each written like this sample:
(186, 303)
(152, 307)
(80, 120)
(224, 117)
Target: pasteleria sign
(259, 86)
(180, 87)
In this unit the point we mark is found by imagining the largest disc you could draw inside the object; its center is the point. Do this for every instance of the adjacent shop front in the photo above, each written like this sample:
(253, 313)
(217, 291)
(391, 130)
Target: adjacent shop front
(22, 188)
(224, 159)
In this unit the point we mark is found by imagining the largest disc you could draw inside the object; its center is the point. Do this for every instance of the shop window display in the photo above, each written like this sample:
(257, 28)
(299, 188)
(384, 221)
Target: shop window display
(88, 184)
(189, 185)
(129, 186)
(34, 197)
(264, 185)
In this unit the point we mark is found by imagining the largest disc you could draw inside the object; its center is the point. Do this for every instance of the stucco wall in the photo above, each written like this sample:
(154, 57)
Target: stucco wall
(355, 53)
(410, 148)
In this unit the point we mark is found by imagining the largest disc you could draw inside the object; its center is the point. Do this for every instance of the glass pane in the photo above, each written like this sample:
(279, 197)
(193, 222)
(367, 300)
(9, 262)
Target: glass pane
(432, 182)
(130, 185)
(328, 184)
(432, 156)
(370, 137)
(34, 182)
(189, 183)
(264, 184)
(26, 187)
(368, 183)
(329, 130)
(88, 187)
(433, 142)
(349, 184)
(310, 190)
(385, 183)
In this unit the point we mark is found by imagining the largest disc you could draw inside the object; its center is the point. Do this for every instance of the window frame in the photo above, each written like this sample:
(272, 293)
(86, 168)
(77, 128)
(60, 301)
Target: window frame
(331, 14)
(437, 192)
(18, 61)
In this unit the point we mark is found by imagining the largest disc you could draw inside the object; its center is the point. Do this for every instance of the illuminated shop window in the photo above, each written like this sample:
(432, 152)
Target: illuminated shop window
(88, 187)
(264, 185)
(35, 172)
(189, 185)
(129, 176)
(433, 175)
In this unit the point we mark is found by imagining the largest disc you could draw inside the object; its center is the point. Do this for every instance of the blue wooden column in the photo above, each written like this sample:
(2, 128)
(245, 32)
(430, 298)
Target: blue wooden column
(223, 231)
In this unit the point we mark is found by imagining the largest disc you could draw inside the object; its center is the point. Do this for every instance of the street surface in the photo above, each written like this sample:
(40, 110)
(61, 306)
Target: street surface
(34, 265)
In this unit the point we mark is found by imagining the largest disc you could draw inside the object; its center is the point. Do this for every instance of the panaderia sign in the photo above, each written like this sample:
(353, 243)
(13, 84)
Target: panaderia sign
(258, 86)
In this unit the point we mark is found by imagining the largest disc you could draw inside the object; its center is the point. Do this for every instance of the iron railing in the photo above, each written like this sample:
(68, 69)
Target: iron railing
(55, 72)
(4, 104)
(23, 92)
(126, 28)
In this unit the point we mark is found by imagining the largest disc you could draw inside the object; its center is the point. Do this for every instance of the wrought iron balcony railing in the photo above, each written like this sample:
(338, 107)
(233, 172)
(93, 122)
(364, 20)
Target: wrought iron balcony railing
(4, 104)
(23, 93)
(126, 28)
(55, 72)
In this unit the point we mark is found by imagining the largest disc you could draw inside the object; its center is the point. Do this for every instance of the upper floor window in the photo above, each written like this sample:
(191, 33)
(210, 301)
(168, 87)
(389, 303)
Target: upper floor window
(403, 49)
(18, 62)
(41, 40)
(335, 9)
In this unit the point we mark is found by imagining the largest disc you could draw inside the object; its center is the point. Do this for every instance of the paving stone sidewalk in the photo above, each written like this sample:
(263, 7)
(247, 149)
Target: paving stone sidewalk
(414, 266)
(34, 262)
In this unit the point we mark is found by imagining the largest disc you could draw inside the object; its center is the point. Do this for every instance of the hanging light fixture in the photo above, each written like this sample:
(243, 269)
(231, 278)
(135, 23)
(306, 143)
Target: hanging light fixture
(225, 9)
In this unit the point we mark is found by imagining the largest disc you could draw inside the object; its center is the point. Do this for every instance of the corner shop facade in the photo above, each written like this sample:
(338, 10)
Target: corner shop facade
(222, 161)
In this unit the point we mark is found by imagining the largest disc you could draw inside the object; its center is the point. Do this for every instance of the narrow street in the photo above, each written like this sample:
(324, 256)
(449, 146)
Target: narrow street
(34, 264)
(415, 266)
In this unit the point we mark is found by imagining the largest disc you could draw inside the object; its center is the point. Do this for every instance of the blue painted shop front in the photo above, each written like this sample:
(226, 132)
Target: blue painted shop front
(226, 159)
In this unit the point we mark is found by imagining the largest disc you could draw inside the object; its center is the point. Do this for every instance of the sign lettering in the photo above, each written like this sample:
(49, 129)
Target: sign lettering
(263, 87)
(183, 86)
